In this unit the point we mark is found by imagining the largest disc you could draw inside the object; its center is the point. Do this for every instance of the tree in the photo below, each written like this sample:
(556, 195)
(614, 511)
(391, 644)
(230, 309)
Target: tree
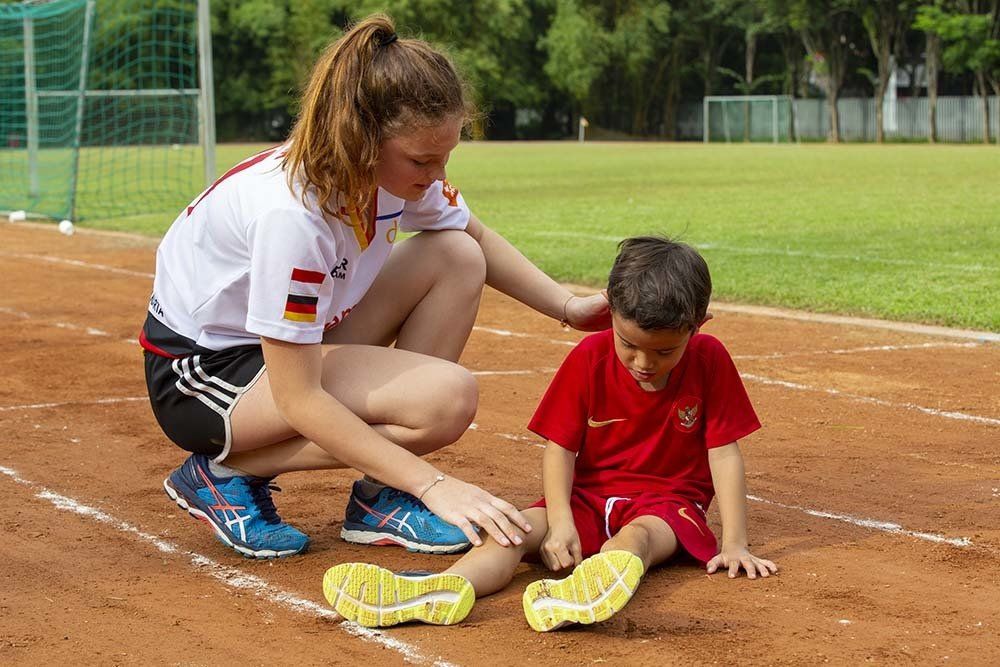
(824, 26)
(969, 31)
(578, 49)
(885, 22)
(752, 18)
(928, 19)
(493, 45)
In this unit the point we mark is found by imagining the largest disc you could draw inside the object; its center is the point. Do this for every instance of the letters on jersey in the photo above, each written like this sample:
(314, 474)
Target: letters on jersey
(248, 258)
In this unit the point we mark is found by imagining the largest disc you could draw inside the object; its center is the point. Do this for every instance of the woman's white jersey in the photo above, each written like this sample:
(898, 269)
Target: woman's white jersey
(248, 259)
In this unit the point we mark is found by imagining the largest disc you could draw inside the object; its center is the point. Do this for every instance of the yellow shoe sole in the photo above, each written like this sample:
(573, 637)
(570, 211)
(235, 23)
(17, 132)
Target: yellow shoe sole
(598, 588)
(376, 598)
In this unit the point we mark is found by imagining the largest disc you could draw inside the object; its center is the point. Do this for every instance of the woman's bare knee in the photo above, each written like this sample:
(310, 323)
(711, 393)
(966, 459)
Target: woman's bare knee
(462, 257)
(453, 398)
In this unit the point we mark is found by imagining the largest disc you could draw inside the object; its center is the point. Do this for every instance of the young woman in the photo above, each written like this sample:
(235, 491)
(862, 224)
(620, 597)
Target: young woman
(279, 291)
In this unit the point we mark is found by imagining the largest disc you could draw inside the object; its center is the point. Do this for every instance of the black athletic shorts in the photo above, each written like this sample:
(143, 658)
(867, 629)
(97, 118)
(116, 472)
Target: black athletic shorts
(193, 396)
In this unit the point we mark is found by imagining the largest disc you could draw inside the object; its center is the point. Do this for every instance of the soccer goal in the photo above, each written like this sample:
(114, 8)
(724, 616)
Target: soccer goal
(106, 106)
(748, 118)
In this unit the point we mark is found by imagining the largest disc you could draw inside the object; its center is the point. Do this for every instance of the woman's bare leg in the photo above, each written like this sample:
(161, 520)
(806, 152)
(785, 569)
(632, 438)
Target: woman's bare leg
(418, 402)
(426, 299)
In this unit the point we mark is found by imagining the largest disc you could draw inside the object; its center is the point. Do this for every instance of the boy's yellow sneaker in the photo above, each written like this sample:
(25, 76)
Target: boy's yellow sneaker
(375, 597)
(598, 588)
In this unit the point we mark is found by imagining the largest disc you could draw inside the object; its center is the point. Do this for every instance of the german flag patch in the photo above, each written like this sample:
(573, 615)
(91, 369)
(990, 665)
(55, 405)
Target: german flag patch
(449, 192)
(303, 295)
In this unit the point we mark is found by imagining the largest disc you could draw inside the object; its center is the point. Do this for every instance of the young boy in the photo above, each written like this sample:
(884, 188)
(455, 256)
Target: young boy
(641, 422)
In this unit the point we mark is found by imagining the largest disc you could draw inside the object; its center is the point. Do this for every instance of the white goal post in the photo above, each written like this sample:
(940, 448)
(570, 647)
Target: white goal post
(748, 118)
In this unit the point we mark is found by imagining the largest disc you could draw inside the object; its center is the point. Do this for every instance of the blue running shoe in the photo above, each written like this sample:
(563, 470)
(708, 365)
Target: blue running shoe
(239, 509)
(394, 517)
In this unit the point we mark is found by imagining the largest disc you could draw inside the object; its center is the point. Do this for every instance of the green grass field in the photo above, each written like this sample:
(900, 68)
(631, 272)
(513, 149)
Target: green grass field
(906, 232)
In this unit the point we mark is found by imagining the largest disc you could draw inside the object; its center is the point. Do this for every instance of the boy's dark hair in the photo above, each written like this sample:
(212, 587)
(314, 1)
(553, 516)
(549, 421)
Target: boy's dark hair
(659, 284)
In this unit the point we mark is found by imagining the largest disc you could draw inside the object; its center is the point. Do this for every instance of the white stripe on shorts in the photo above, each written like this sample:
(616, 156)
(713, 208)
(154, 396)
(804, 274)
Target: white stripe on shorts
(223, 404)
(609, 505)
(187, 375)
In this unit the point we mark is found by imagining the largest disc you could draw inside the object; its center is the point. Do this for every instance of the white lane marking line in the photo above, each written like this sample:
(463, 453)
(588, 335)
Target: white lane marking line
(760, 311)
(77, 263)
(884, 526)
(516, 372)
(971, 466)
(514, 334)
(888, 325)
(92, 331)
(87, 231)
(229, 576)
(100, 401)
(844, 320)
(521, 438)
(988, 421)
(855, 350)
(786, 252)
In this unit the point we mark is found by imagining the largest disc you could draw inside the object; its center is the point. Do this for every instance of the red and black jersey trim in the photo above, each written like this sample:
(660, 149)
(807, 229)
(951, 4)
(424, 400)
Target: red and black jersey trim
(161, 340)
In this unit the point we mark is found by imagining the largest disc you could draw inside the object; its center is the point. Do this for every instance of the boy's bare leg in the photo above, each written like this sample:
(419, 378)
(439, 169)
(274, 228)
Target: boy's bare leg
(490, 567)
(648, 537)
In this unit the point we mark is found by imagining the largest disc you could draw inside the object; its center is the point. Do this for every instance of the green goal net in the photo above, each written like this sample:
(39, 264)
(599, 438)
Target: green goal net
(105, 106)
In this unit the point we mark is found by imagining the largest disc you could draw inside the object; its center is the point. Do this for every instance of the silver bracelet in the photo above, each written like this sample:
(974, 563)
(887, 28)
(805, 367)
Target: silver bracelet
(439, 478)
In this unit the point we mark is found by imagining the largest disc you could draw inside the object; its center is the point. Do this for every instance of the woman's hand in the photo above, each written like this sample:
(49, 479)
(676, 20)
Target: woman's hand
(588, 313)
(561, 547)
(734, 558)
(466, 506)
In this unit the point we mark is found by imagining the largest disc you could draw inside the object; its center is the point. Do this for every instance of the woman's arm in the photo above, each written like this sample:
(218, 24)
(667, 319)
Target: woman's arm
(726, 464)
(513, 274)
(294, 372)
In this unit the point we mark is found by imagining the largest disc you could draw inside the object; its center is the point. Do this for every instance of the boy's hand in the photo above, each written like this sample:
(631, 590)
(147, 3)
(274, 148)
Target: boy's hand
(561, 547)
(735, 557)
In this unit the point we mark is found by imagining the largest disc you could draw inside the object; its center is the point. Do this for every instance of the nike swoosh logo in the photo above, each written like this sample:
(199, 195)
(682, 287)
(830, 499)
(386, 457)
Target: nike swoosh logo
(684, 515)
(598, 424)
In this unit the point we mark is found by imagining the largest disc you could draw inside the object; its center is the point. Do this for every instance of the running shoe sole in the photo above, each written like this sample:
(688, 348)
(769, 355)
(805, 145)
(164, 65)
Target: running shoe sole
(598, 588)
(376, 598)
(372, 537)
(192, 508)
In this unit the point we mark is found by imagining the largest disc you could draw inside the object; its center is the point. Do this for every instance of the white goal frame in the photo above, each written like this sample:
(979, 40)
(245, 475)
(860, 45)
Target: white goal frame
(773, 99)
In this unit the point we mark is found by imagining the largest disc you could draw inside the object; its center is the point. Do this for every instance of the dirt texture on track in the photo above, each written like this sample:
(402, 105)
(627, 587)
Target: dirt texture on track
(875, 486)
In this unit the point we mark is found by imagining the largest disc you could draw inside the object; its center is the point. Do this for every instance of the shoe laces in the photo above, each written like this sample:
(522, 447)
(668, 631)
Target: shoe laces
(393, 493)
(260, 491)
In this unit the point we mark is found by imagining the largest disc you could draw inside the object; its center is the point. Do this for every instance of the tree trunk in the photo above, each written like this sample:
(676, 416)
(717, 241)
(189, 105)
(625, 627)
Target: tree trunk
(749, 56)
(884, 65)
(673, 92)
(932, 59)
(832, 93)
(879, 111)
(984, 98)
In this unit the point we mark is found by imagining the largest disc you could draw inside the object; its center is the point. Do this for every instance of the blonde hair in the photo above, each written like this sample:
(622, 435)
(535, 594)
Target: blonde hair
(366, 87)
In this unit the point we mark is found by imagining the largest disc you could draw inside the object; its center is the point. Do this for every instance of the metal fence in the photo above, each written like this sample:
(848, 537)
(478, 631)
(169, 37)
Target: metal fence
(959, 119)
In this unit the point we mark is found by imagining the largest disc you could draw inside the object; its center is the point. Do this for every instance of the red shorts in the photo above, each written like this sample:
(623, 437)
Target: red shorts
(598, 518)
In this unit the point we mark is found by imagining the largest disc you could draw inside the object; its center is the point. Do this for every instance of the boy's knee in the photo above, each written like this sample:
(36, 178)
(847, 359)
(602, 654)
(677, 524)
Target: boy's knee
(635, 532)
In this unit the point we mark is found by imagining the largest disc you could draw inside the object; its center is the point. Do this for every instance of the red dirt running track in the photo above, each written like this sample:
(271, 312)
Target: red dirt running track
(875, 486)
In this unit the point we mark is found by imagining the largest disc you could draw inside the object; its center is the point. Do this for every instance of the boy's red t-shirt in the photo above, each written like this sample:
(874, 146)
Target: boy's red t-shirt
(631, 441)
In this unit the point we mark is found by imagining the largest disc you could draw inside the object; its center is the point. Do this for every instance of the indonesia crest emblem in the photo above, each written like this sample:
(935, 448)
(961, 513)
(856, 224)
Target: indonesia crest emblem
(686, 413)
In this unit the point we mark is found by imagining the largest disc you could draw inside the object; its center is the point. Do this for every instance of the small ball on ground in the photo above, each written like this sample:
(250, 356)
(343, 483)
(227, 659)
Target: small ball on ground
(66, 227)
